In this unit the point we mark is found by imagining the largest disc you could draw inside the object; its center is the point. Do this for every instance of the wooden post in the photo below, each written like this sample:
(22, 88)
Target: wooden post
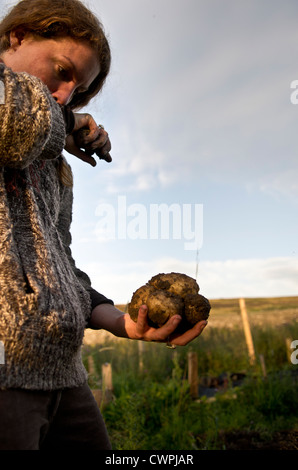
(141, 355)
(107, 376)
(97, 393)
(263, 365)
(105, 394)
(107, 383)
(91, 366)
(193, 378)
(247, 332)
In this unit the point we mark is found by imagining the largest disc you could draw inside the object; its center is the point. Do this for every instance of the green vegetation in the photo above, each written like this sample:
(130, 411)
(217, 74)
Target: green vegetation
(152, 407)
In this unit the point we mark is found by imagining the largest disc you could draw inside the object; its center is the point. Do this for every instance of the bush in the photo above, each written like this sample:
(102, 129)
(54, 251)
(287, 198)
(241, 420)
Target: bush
(153, 408)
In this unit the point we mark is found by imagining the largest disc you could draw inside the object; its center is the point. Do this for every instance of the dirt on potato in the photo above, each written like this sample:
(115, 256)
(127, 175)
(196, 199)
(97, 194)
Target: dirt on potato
(170, 294)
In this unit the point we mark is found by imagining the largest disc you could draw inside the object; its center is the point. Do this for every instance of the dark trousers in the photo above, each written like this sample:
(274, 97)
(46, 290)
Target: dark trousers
(59, 420)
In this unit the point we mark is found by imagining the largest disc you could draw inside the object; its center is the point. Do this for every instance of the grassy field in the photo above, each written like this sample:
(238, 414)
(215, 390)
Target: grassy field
(239, 405)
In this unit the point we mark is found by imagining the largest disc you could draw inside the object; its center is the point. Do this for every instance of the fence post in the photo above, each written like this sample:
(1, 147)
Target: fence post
(97, 393)
(247, 332)
(105, 394)
(263, 365)
(193, 378)
(141, 355)
(107, 382)
(91, 366)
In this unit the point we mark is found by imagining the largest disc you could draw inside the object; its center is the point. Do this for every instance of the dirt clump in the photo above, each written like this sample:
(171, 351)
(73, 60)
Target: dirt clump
(171, 294)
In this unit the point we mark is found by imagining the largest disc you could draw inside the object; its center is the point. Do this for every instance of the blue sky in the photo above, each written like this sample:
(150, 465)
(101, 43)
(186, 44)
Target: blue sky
(198, 108)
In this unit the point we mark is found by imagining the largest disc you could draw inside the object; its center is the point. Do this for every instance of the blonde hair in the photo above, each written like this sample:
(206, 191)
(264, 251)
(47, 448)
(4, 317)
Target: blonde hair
(64, 173)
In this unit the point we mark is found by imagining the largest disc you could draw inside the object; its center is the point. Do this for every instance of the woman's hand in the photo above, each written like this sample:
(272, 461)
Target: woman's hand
(108, 317)
(95, 139)
(165, 334)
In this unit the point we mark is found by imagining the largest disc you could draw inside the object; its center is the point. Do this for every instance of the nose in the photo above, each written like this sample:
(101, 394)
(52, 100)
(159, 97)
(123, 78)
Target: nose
(63, 95)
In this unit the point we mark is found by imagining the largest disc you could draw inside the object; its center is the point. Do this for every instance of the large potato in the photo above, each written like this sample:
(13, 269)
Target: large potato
(178, 284)
(162, 305)
(169, 294)
(140, 297)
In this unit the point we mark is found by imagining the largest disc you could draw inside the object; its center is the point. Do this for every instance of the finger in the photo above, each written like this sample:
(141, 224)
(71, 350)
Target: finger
(101, 140)
(87, 138)
(107, 157)
(105, 148)
(142, 321)
(86, 121)
(104, 152)
(100, 146)
(85, 157)
(161, 334)
(189, 335)
(72, 148)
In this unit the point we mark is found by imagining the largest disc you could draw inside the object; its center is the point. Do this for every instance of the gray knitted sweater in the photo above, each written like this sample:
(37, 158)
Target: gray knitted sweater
(46, 301)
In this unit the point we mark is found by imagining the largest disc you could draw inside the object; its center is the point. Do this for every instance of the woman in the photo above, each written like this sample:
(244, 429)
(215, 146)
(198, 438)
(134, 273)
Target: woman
(54, 59)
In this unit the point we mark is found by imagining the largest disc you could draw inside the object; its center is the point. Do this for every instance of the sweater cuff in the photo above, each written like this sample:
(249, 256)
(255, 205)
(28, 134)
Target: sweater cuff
(69, 119)
(98, 299)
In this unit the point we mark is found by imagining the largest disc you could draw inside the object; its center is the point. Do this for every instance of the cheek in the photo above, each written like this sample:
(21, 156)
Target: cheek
(42, 71)
(51, 84)
(48, 79)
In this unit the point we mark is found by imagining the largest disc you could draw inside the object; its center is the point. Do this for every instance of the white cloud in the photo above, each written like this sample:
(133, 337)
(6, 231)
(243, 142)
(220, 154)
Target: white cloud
(283, 183)
(251, 278)
(218, 279)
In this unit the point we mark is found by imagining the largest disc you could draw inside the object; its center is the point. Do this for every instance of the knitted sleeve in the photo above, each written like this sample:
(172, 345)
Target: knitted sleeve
(31, 122)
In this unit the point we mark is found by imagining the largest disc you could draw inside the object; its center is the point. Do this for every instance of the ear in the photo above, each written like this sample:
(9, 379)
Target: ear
(16, 38)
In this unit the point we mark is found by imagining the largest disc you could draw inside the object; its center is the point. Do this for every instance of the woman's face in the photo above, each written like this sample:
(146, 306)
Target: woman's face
(66, 66)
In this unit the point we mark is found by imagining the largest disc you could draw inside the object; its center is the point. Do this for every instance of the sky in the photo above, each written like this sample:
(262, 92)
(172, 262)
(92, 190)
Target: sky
(201, 108)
